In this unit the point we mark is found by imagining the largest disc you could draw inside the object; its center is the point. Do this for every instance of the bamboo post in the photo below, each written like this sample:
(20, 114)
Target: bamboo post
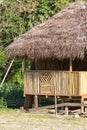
(36, 102)
(28, 102)
(82, 104)
(55, 102)
(36, 97)
(62, 101)
(66, 110)
(24, 74)
(70, 64)
(24, 65)
(7, 73)
(70, 75)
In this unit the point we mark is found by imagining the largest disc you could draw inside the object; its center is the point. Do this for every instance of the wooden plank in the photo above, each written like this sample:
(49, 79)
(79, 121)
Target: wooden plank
(83, 82)
(61, 105)
(30, 82)
(61, 96)
(75, 111)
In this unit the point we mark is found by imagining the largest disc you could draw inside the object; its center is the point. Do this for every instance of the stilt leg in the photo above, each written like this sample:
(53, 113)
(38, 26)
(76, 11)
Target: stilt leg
(66, 110)
(62, 101)
(36, 102)
(28, 102)
(82, 105)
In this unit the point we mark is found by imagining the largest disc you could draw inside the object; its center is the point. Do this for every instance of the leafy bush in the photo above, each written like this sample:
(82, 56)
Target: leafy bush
(3, 103)
(11, 95)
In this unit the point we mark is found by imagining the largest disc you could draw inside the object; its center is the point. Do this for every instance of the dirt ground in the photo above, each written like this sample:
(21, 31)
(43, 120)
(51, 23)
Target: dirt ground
(16, 120)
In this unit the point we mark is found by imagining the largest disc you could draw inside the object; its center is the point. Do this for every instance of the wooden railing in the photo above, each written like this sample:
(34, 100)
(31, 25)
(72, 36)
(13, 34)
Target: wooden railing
(65, 82)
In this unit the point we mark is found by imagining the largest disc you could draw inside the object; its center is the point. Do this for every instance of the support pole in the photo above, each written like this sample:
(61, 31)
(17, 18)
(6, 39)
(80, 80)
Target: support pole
(36, 102)
(82, 104)
(70, 64)
(66, 110)
(24, 65)
(7, 72)
(62, 101)
(55, 102)
(28, 102)
(71, 89)
(24, 74)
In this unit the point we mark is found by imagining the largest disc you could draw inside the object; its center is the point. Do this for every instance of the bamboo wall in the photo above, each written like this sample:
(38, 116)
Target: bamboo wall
(45, 82)
(83, 82)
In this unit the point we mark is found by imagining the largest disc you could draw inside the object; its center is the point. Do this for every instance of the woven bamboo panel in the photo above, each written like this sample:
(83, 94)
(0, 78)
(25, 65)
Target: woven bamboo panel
(46, 82)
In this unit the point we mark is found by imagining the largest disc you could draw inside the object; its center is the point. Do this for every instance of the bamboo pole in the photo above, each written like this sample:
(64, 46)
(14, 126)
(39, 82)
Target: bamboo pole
(66, 110)
(55, 102)
(70, 64)
(70, 75)
(82, 104)
(24, 65)
(7, 72)
(24, 74)
(36, 102)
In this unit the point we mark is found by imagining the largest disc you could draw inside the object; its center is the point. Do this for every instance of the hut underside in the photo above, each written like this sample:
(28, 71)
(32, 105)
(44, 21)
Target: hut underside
(63, 80)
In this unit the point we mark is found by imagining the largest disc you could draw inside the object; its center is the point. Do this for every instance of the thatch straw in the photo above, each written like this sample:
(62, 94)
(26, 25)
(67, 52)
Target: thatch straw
(62, 36)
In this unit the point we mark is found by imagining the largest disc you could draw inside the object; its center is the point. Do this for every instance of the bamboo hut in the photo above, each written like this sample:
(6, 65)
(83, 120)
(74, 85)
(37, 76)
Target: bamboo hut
(57, 49)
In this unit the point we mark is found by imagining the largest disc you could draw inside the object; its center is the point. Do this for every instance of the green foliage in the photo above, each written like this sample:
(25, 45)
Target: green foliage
(15, 76)
(3, 103)
(3, 61)
(3, 58)
(18, 16)
(11, 94)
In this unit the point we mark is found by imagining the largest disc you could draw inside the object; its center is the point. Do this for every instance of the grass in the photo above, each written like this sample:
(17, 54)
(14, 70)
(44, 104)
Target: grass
(11, 119)
(6, 110)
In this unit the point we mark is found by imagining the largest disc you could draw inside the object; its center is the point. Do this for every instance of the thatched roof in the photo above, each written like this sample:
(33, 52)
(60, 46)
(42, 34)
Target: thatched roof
(62, 36)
